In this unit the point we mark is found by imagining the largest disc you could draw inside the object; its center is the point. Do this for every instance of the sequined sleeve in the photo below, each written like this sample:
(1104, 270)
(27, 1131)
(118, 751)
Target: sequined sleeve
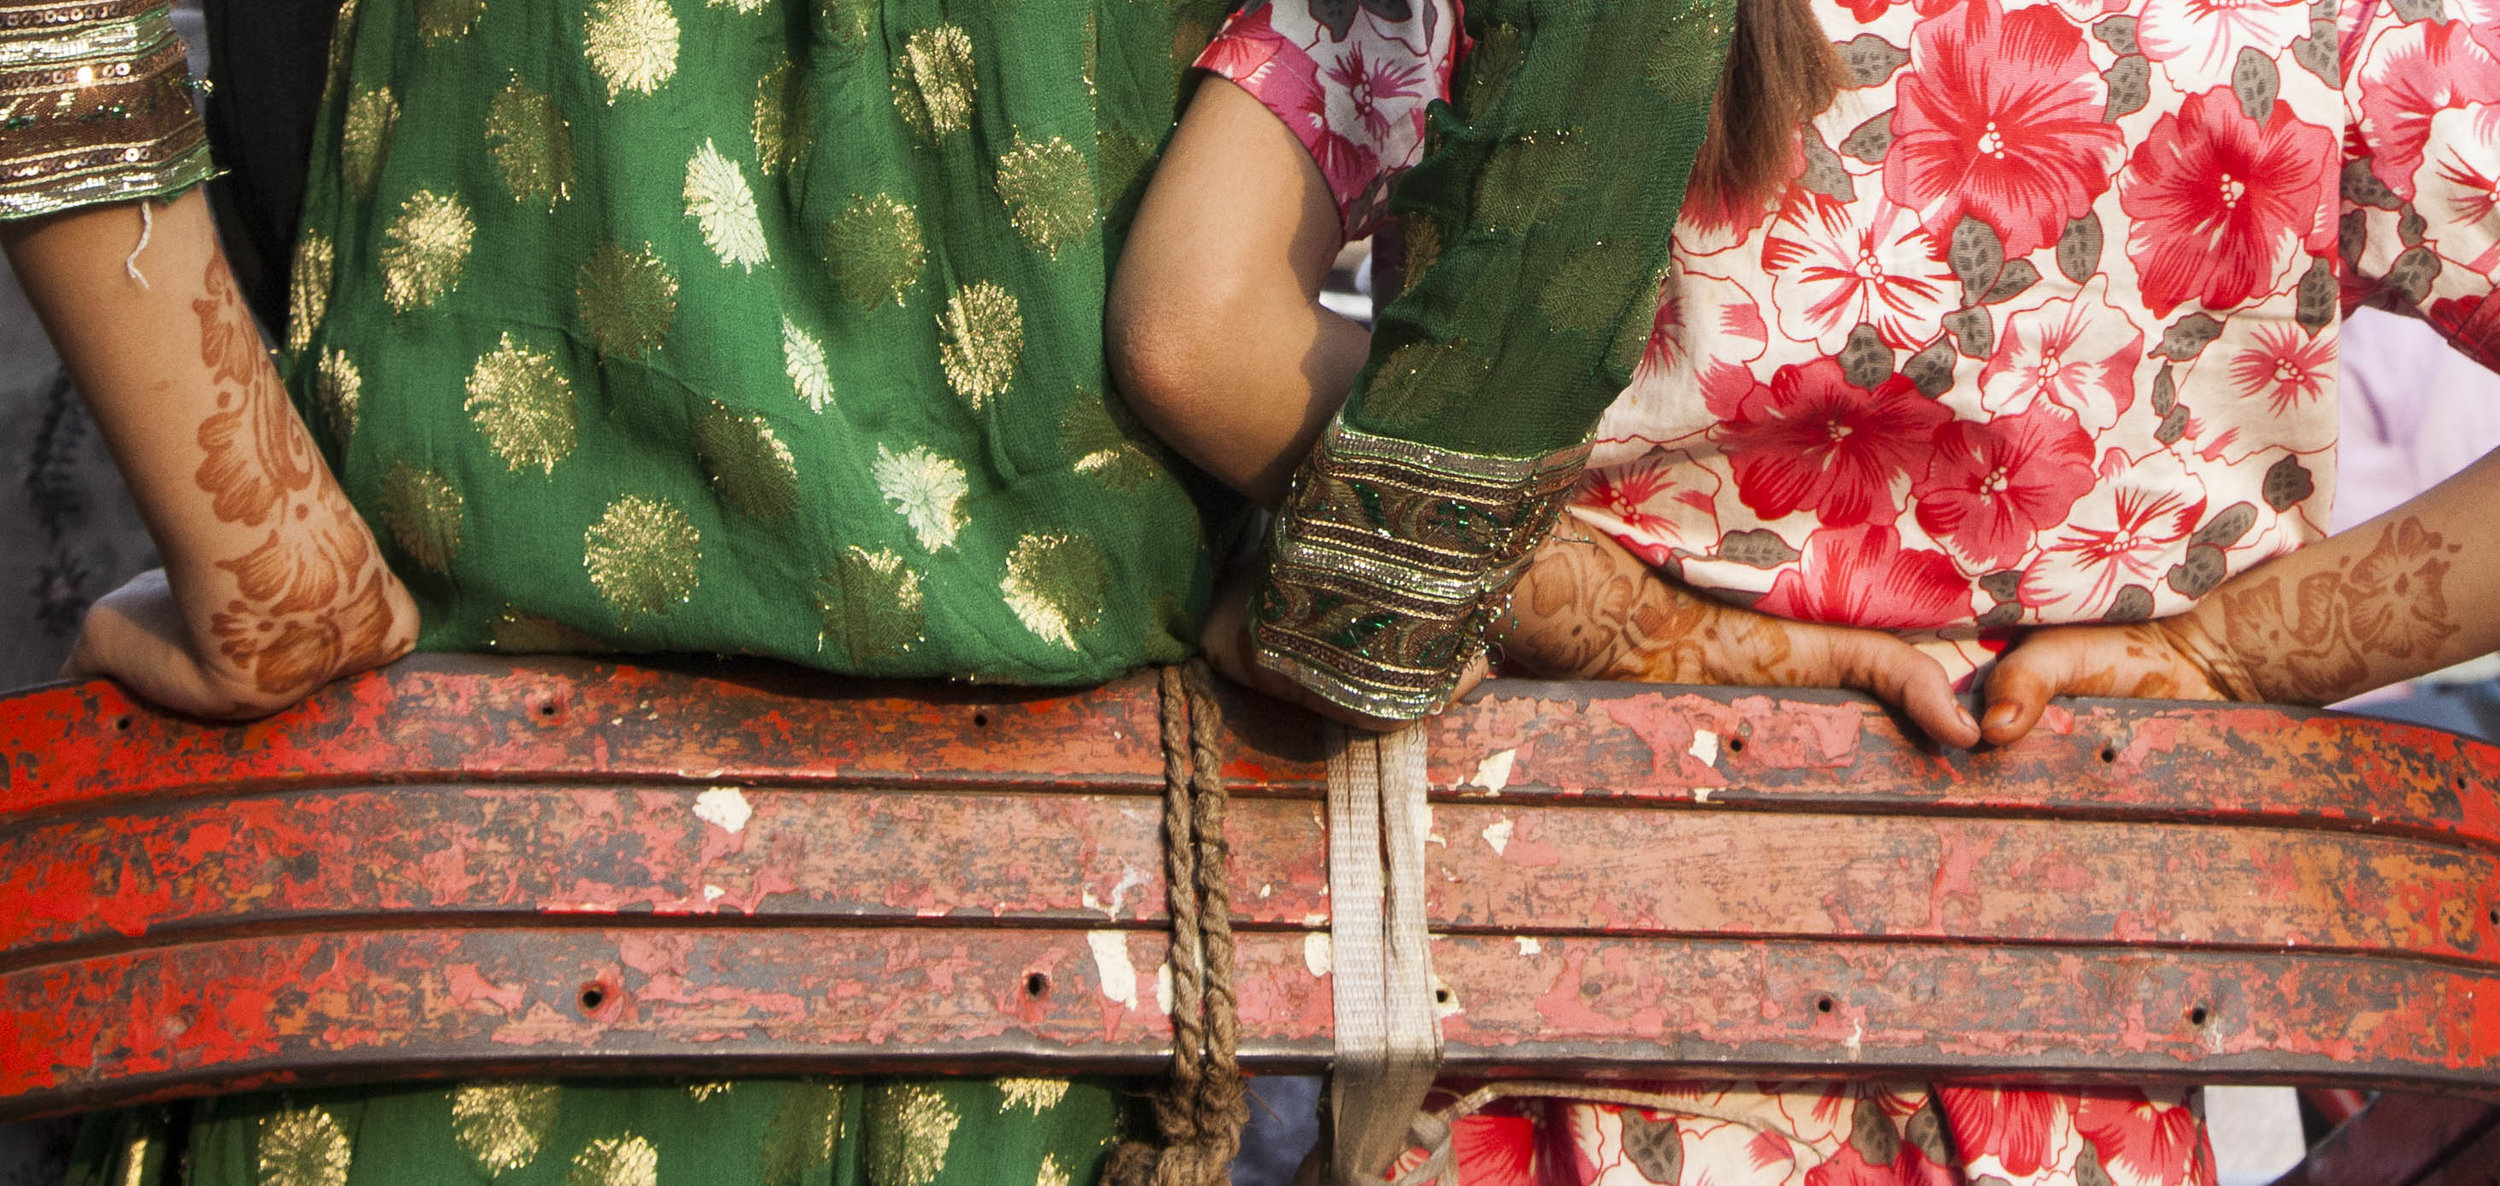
(95, 106)
(1537, 222)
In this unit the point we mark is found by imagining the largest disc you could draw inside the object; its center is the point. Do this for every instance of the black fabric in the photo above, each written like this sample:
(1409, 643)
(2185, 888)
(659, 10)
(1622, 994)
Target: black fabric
(268, 60)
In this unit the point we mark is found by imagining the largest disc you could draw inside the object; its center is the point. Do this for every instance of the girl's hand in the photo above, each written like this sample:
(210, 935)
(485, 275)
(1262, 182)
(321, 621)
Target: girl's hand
(1226, 643)
(1588, 609)
(2158, 660)
(137, 636)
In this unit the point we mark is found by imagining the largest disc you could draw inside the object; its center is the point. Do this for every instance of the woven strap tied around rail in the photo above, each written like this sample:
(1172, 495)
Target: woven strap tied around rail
(1388, 1031)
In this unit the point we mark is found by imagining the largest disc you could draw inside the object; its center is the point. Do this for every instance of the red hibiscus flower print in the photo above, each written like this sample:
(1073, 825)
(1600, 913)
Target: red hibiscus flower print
(2016, 1126)
(1993, 486)
(2128, 531)
(1703, 320)
(2472, 325)
(1864, 577)
(2079, 354)
(2220, 202)
(1835, 267)
(2140, 1139)
(2000, 119)
(1494, 1150)
(1372, 88)
(2293, 373)
(2410, 74)
(2458, 190)
(1653, 505)
(1812, 440)
(1246, 45)
(2197, 42)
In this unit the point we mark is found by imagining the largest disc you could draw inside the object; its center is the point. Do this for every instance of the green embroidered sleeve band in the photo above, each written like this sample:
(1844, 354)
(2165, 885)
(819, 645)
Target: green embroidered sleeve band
(95, 106)
(1389, 559)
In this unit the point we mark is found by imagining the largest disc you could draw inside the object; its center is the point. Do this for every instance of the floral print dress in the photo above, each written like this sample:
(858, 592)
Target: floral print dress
(2043, 331)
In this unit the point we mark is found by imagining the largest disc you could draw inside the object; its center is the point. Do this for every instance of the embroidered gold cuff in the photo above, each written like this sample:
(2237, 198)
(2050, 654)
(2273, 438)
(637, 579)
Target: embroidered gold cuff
(95, 106)
(1390, 557)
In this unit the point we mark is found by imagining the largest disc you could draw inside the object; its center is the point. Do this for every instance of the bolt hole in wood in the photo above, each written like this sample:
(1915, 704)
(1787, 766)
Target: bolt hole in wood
(593, 995)
(980, 720)
(2198, 1015)
(2109, 753)
(2494, 915)
(1036, 985)
(1822, 1004)
(123, 723)
(1441, 996)
(1735, 745)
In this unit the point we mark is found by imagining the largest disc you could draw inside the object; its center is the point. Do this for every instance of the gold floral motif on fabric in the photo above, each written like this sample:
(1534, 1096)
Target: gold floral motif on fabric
(1033, 1095)
(1055, 584)
(1050, 1173)
(423, 513)
(927, 490)
(720, 201)
(1388, 558)
(1102, 440)
(425, 250)
(365, 135)
(910, 1129)
(518, 633)
(629, 1160)
(1121, 158)
(803, 1131)
(1414, 383)
(750, 468)
(447, 20)
(935, 80)
(504, 1125)
(309, 277)
(532, 144)
(980, 339)
(803, 359)
(870, 605)
(339, 392)
(632, 44)
(703, 1093)
(1422, 233)
(1579, 296)
(628, 300)
(523, 404)
(644, 556)
(749, 7)
(1527, 179)
(785, 119)
(302, 1147)
(875, 250)
(1049, 191)
(135, 1160)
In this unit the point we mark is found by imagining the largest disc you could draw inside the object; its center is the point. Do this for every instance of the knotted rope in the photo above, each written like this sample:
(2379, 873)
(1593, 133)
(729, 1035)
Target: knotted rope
(1201, 1109)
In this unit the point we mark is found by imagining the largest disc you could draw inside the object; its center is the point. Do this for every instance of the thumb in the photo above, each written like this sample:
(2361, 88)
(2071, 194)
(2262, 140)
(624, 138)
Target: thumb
(1895, 672)
(2019, 687)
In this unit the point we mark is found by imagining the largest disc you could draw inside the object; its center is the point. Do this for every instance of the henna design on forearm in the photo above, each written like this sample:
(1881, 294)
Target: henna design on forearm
(2323, 640)
(312, 598)
(1586, 609)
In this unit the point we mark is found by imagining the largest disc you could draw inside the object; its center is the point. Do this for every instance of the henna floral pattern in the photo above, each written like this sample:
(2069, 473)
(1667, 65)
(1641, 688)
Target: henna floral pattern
(312, 598)
(2316, 643)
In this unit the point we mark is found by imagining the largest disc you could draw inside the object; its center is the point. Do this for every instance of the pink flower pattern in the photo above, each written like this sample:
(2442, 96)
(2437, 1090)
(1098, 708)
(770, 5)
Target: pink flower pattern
(2057, 296)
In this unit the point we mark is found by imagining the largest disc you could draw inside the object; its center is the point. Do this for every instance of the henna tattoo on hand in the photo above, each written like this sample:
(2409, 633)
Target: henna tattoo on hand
(1587, 609)
(2317, 644)
(314, 594)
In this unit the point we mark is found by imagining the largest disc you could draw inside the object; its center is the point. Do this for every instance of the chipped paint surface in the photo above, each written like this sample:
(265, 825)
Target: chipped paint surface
(417, 872)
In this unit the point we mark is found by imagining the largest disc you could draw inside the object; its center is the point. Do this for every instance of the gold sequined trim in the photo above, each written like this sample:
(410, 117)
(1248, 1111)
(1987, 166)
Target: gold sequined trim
(749, 465)
(910, 1128)
(632, 44)
(935, 81)
(927, 490)
(628, 1160)
(423, 513)
(532, 144)
(869, 603)
(980, 338)
(644, 556)
(875, 250)
(1033, 1095)
(1055, 585)
(504, 1125)
(365, 135)
(308, 288)
(446, 20)
(523, 404)
(628, 300)
(803, 359)
(426, 251)
(785, 120)
(1049, 191)
(302, 1147)
(339, 391)
(719, 199)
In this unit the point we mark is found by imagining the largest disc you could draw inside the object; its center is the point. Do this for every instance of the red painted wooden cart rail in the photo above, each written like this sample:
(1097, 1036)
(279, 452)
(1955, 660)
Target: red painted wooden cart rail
(473, 867)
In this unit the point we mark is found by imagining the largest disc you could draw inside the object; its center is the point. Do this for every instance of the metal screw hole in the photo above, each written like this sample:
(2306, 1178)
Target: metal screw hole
(593, 995)
(547, 708)
(1735, 745)
(1036, 985)
(122, 723)
(980, 720)
(1822, 1004)
(2109, 753)
(2198, 1016)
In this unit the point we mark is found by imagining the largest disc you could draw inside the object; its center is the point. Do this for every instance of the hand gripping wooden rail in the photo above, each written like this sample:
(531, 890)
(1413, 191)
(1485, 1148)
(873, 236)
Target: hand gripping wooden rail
(476, 867)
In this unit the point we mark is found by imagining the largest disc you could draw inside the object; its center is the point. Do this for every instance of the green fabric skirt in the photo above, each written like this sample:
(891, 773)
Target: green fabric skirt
(773, 1132)
(761, 327)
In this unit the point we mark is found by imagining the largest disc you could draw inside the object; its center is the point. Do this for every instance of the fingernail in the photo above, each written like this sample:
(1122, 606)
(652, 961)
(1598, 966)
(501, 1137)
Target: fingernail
(2002, 713)
(1963, 714)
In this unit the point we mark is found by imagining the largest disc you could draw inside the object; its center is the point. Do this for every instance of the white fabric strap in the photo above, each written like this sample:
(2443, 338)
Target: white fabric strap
(1388, 1033)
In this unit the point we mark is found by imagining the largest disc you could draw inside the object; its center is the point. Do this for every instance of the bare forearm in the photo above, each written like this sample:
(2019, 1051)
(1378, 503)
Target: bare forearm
(279, 582)
(2407, 593)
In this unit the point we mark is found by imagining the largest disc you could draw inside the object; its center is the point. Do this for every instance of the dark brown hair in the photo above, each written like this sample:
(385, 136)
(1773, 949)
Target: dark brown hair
(1781, 71)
